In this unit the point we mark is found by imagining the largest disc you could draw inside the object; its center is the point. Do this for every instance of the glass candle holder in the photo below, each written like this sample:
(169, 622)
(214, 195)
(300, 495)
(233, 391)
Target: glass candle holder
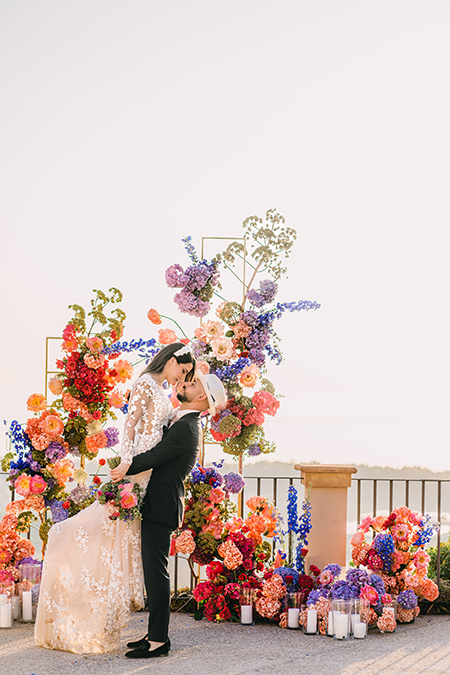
(247, 597)
(309, 620)
(341, 619)
(293, 604)
(360, 612)
(5, 606)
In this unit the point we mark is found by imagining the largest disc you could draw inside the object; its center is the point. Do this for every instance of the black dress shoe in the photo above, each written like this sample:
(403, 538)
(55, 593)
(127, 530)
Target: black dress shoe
(145, 653)
(138, 643)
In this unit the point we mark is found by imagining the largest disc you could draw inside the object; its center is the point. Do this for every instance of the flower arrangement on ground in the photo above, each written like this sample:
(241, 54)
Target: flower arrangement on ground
(397, 554)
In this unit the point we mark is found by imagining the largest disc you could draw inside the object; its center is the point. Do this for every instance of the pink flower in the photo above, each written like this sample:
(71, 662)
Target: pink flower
(70, 345)
(95, 344)
(386, 598)
(22, 485)
(128, 500)
(231, 555)
(222, 348)
(63, 469)
(212, 330)
(115, 399)
(357, 539)
(185, 543)
(369, 593)
(249, 376)
(217, 495)
(401, 531)
(365, 524)
(326, 577)
(37, 485)
(52, 425)
(421, 559)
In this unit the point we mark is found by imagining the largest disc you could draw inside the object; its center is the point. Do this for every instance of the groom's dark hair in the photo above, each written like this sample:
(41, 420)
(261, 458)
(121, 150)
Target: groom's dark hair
(158, 362)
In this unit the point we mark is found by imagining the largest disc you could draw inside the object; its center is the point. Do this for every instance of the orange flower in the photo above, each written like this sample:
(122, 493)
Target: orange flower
(124, 370)
(52, 425)
(249, 376)
(154, 316)
(95, 344)
(378, 522)
(97, 441)
(36, 402)
(70, 403)
(167, 336)
(63, 469)
(115, 399)
(55, 385)
(70, 345)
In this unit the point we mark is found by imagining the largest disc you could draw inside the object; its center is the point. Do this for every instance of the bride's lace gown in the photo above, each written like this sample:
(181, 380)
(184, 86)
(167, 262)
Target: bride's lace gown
(92, 573)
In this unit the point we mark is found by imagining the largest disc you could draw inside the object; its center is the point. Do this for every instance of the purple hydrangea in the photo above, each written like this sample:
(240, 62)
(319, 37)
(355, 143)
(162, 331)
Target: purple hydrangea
(250, 317)
(233, 482)
(190, 304)
(356, 578)
(342, 591)
(314, 596)
(207, 475)
(407, 599)
(334, 568)
(378, 584)
(195, 277)
(266, 294)
(28, 561)
(257, 356)
(58, 512)
(74, 450)
(254, 450)
(199, 348)
(55, 451)
(79, 494)
(173, 276)
(112, 436)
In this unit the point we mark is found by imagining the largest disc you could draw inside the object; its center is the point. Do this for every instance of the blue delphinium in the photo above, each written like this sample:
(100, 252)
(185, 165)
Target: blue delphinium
(291, 586)
(385, 547)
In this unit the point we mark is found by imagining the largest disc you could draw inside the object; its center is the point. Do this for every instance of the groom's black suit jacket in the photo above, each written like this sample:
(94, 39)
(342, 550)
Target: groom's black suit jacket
(171, 459)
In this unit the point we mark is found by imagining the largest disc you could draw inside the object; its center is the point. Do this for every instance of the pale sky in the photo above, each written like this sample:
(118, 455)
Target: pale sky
(127, 124)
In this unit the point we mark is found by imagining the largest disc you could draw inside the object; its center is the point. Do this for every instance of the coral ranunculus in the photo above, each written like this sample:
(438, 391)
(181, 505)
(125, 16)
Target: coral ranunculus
(52, 425)
(36, 402)
(70, 345)
(124, 370)
(154, 316)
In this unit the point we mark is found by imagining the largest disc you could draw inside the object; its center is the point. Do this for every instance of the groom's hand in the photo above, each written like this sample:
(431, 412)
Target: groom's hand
(119, 472)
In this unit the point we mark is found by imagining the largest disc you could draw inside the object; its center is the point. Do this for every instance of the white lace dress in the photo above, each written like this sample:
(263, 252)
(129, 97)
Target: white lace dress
(92, 575)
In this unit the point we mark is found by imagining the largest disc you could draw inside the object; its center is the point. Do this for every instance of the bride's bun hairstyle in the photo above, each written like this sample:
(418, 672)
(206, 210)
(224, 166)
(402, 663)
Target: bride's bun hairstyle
(178, 350)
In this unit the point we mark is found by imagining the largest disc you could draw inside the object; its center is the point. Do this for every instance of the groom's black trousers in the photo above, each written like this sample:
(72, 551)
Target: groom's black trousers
(155, 560)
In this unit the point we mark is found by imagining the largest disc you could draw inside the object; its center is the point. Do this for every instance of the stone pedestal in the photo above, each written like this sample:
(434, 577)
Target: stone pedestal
(328, 537)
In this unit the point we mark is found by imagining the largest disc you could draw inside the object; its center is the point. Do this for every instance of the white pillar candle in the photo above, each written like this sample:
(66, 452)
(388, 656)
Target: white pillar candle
(340, 622)
(5, 616)
(293, 614)
(330, 623)
(15, 607)
(359, 630)
(311, 623)
(247, 614)
(27, 610)
(355, 619)
(3, 599)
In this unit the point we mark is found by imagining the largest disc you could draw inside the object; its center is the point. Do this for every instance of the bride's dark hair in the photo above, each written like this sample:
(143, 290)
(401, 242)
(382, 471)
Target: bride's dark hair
(158, 362)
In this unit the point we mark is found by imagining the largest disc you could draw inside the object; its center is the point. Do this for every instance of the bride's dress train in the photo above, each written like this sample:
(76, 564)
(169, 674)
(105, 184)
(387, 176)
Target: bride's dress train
(92, 575)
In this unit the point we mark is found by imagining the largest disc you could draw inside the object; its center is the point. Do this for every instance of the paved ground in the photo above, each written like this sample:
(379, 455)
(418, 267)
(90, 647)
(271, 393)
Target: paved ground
(203, 648)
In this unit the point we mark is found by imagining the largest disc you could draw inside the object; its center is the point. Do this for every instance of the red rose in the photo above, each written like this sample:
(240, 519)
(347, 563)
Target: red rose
(304, 551)
(242, 577)
(260, 567)
(97, 480)
(102, 462)
(66, 504)
(247, 564)
(96, 415)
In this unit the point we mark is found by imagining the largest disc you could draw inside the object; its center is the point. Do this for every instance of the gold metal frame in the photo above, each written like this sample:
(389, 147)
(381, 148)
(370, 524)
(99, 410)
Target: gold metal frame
(47, 371)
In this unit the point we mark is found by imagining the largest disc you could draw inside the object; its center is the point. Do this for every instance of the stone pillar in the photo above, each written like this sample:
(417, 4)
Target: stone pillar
(328, 537)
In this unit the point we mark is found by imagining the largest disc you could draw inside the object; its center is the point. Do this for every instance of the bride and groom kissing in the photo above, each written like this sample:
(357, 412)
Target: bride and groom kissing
(95, 568)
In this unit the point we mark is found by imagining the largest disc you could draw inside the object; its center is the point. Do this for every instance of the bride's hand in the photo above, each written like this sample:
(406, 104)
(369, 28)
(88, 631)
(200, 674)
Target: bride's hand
(119, 472)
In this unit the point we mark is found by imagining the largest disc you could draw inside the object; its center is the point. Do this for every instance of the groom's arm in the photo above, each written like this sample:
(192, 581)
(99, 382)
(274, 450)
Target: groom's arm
(179, 438)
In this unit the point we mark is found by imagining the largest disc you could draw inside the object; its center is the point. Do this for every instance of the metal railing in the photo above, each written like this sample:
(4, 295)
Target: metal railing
(367, 496)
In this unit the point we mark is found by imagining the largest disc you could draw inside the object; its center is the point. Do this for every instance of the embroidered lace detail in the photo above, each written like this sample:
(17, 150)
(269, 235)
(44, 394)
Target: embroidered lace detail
(92, 573)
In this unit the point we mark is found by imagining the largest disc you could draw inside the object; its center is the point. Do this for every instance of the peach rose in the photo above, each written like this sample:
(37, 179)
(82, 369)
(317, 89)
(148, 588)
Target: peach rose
(222, 348)
(22, 485)
(55, 385)
(63, 469)
(357, 539)
(249, 376)
(213, 330)
(203, 367)
(36, 402)
(52, 425)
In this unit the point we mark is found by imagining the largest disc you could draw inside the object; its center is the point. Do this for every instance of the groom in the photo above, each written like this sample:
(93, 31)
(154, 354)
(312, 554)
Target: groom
(171, 459)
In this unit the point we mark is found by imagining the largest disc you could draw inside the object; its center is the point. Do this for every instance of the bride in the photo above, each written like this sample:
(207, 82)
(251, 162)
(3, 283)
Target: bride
(92, 573)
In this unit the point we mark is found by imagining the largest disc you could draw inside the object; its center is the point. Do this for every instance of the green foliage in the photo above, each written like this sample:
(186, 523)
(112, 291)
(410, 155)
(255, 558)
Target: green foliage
(249, 435)
(445, 561)
(267, 240)
(44, 530)
(266, 385)
(113, 323)
(24, 520)
(6, 461)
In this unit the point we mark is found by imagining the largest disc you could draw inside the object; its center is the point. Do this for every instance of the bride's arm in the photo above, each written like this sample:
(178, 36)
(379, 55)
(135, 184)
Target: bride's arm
(140, 403)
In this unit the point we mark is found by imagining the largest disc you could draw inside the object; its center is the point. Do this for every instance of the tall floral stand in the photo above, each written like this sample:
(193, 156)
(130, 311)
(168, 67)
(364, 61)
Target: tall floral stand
(328, 537)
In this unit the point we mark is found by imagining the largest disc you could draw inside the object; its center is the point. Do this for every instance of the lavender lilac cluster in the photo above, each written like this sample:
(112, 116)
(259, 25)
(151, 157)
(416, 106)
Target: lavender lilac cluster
(80, 494)
(59, 513)
(112, 436)
(266, 294)
(254, 450)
